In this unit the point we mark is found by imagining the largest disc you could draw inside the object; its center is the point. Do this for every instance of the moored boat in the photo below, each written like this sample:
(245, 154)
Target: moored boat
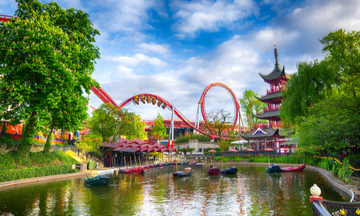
(276, 168)
(187, 172)
(294, 169)
(214, 171)
(185, 163)
(137, 170)
(193, 163)
(97, 181)
(229, 171)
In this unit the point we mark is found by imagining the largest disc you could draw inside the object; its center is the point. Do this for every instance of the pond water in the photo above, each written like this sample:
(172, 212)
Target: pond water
(251, 192)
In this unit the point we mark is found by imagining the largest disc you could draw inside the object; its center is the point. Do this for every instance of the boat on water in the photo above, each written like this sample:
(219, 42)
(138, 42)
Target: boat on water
(185, 163)
(97, 181)
(167, 164)
(214, 171)
(229, 171)
(187, 172)
(193, 163)
(294, 169)
(137, 170)
(276, 168)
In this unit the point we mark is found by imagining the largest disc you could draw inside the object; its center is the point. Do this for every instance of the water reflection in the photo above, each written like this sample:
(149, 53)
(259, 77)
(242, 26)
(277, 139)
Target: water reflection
(251, 192)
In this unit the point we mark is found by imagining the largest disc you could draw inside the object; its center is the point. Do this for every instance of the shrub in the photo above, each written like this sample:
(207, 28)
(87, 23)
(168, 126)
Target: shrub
(345, 172)
(335, 168)
(15, 174)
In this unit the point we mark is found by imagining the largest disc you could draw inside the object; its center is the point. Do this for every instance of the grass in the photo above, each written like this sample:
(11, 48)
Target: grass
(36, 164)
(10, 160)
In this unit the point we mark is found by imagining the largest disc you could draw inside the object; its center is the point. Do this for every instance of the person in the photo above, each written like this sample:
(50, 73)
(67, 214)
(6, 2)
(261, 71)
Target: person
(211, 166)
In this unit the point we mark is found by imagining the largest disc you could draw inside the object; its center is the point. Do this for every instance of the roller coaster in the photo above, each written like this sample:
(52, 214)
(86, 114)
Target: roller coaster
(161, 102)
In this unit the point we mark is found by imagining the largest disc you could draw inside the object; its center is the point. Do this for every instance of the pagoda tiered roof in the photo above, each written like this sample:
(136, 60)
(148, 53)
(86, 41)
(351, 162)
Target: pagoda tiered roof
(277, 72)
(263, 133)
(270, 115)
(274, 98)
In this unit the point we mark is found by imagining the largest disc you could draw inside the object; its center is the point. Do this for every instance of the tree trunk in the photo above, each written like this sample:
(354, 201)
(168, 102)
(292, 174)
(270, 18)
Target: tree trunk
(28, 134)
(47, 147)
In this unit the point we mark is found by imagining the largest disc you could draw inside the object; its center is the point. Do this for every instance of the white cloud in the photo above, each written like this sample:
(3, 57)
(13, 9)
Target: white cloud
(155, 48)
(139, 58)
(209, 16)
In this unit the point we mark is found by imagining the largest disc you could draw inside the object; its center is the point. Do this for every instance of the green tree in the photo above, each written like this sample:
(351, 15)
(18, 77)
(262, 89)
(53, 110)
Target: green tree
(186, 150)
(219, 123)
(343, 49)
(90, 143)
(139, 132)
(159, 130)
(311, 84)
(322, 100)
(47, 58)
(330, 126)
(250, 105)
(110, 121)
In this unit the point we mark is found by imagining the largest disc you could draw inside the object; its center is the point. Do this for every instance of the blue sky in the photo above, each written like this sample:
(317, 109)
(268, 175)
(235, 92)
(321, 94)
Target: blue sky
(175, 49)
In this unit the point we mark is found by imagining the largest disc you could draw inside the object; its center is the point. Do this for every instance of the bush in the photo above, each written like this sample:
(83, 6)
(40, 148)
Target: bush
(335, 168)
(345, 172)
(10, 160)
(32, 172)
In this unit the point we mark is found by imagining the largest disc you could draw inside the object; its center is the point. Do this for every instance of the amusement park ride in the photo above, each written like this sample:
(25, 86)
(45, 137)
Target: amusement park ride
(161, 102)
(155, 99)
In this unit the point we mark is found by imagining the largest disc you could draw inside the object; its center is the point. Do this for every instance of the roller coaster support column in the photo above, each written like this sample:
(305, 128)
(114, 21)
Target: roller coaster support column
(171, 131)
(240, 120)
(197, 120)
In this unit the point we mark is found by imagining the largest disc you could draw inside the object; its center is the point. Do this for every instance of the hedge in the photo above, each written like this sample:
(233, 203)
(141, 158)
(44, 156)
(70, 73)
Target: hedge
(15, 174)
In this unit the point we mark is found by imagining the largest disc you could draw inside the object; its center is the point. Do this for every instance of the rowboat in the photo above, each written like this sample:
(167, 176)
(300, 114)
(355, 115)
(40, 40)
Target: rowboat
(276, 168)
(193, 163)
(294, 169)
(137, 170)
(214, 171)
(97, 181)
(229, 171)
(187, 172)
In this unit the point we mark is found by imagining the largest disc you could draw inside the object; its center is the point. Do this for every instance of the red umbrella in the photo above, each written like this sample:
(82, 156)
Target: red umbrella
(250, 150)
(212, 151)
(269, 149)
(233, 150)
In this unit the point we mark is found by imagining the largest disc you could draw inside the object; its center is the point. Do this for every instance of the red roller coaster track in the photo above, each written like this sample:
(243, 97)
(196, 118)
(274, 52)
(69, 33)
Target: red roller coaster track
(106, 98)
(232, 94)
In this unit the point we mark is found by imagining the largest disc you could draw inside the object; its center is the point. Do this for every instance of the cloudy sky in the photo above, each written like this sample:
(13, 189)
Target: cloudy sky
(175, 49)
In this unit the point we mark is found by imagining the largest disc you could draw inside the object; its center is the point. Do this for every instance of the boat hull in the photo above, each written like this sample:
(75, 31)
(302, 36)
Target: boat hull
(181, 173)
(214, 171)
(296, 169)
(229, 171)
(97, 181)
(138, 170)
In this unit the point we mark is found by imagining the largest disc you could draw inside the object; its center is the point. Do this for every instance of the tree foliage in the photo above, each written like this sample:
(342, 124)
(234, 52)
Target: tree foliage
(219, 123)
(250, 105)
(312, 83)
(47, 58)
(90, 143)
(110, 121)
(159, 130)
(330, 126)
(323, 101)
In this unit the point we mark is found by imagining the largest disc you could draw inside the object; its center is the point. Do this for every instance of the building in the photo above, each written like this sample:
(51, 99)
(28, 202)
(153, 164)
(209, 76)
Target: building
(270, 135)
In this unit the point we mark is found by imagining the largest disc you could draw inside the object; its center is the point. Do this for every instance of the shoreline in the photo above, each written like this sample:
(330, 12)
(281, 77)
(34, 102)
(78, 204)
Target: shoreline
(351, 191)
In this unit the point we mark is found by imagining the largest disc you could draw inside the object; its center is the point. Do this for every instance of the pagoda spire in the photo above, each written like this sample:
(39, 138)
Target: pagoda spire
(276, 55)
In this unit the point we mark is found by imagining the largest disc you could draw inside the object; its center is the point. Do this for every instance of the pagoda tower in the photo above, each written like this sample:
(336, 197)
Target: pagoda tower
(277, 79)
(269, 137)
